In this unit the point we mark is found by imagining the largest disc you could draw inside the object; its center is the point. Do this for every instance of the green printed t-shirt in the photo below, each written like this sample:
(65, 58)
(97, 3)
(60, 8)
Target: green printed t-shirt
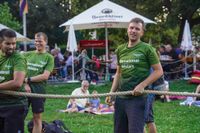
(8, 65)
(135, 63)
(37, 63)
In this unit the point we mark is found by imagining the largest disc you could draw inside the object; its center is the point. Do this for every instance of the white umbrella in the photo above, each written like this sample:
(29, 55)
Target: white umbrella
(186, 43)
(72, 47)
(105, 14)
(71, 43)
(20, 37)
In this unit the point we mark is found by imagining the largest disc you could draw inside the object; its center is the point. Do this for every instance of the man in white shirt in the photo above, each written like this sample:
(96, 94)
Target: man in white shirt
(76, 105)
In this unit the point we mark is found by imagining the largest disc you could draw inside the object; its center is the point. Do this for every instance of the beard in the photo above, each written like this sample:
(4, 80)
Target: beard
(9, 52)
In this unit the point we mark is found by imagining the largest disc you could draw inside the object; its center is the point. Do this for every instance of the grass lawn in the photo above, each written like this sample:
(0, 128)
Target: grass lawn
(169, 117)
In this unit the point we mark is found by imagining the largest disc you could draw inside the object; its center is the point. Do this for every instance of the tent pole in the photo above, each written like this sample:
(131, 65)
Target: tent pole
(107, 58)
(92, 51)
(24, 30)
(72, 66)
(186, 65)
(194, 60)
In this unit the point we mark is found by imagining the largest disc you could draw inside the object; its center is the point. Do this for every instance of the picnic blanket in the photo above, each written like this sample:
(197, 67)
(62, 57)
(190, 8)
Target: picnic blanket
(190, 102)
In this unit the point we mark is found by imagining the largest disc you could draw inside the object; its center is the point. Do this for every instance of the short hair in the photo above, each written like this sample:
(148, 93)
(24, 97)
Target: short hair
(162, 46)
(84, 82)
(138, 20)
(39, 34)
(6, 33)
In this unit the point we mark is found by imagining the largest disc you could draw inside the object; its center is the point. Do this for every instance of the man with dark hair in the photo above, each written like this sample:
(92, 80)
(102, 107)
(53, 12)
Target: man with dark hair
(12, 74)
(40, 65)
(134, 60)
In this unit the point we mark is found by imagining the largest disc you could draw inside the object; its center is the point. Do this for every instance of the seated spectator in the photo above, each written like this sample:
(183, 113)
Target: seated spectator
(78, 105)
(192, 101)
(170, 63)
(96, 107)
(162, 52)
(94, 103)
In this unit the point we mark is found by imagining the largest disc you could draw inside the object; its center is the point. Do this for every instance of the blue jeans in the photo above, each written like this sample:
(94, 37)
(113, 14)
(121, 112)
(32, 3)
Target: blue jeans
(149, 108)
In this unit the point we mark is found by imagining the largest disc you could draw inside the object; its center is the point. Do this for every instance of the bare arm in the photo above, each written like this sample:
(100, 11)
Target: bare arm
(41, 77)
(156, 74)
(15, 84)
(116, 79)
(115, 84)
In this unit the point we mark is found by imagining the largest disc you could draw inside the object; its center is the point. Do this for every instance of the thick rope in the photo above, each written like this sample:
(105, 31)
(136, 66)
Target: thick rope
(56, 96)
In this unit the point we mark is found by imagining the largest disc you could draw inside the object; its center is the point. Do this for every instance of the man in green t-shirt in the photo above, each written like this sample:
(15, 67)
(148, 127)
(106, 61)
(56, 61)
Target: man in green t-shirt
(39, 64)
(134, 60)
(12, 74)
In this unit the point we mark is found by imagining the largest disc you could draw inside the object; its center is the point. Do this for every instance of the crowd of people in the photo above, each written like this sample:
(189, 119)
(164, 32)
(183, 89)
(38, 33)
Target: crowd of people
(172, 61)
(94, 67)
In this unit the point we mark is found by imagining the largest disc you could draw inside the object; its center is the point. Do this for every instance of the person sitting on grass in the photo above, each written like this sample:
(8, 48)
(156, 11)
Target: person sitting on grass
(195, 101)
(96, 107)
(78, 105)
(94, 102)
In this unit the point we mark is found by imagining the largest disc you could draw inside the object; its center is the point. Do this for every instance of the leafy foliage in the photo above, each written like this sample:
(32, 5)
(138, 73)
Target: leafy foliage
(7, 18)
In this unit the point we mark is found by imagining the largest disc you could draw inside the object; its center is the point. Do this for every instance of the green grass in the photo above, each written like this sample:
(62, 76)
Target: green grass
(169, 117)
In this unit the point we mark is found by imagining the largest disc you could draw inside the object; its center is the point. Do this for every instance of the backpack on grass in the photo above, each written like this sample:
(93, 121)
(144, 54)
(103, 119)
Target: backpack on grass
(56, 126)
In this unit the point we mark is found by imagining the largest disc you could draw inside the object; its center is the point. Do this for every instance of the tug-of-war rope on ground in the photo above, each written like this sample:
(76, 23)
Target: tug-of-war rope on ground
(56, 96)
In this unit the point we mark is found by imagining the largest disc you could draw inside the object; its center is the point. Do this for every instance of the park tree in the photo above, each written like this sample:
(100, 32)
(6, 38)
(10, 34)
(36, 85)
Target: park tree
(7, 18)
(181, 10)
(46, 16)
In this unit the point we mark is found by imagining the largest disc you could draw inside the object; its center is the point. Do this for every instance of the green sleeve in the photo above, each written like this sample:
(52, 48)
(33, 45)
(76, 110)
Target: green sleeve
(153, 56)
(50, 64)
(20, 64)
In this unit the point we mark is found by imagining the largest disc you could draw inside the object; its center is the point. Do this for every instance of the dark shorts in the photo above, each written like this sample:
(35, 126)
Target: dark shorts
(12, 119)
(129, 115)
(149, 108)
(37, 104)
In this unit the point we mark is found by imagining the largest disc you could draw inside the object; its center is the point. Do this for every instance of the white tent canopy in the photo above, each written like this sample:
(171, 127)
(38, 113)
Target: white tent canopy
(20, 37)
(104, 14)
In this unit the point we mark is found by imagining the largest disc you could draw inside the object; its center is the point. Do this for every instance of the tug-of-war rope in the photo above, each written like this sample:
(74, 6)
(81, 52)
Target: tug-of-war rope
(56, 96)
